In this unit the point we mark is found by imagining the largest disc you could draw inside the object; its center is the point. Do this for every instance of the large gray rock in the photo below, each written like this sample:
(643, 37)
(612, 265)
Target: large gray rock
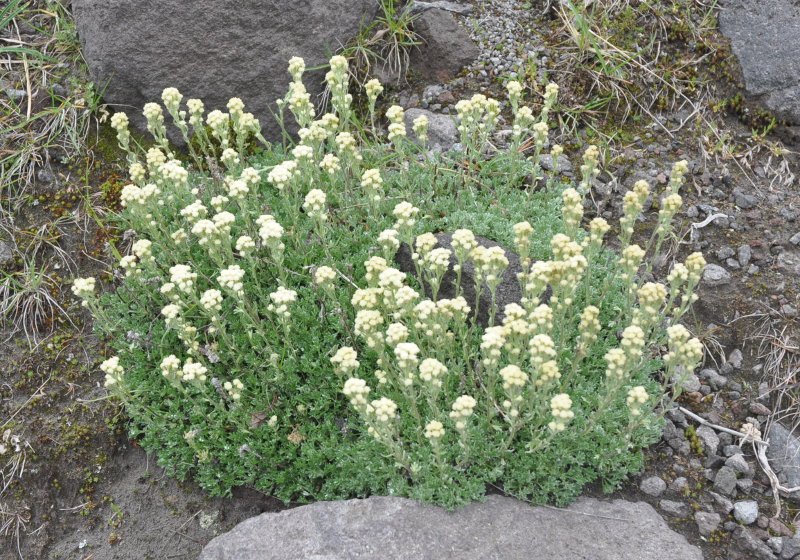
(211, 49)
(784, 457)
(507, 292)
(764, 36)
(446, 47)
(500, 528)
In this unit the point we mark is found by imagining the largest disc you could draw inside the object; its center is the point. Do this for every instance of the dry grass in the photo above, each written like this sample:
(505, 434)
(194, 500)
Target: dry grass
(43, 118)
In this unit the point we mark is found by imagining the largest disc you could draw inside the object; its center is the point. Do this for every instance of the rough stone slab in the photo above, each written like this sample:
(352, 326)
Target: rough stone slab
(501, 528)
(764, 37)
(446, 47)
(211, 49)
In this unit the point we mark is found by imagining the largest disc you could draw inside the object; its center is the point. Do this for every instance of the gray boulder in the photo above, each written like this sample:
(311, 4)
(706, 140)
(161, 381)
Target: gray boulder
(784, 457)
(500, 528)
(211, 49)
(507, 292)
(446, 46)
(764, 36)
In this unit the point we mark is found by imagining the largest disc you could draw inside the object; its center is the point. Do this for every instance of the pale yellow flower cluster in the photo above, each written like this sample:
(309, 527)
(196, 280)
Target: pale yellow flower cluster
(230, 278)
(540, 131)
(397, 128)
(137, 172)
(651, 297)
(368, 298)
(299, 101)
(637, 398)
(211, 301)
(194, 371)
(194, 211)
(434, 431)
(129, 265)
(282, 174)
(372, 182)
(324, 276)
(270, 231)
(357, 390)
(234, 389)
(683, 350)
(182, 276)
(245, 245)
(83, 287)
(632, 342)
(396, 333)
(522, 238)
(170, 367)
(631, 258)
(432, 371)
(373, 89)
(477, 117)
(383, 410)
(282, 299)
(330, 164)
(590, 325)
(513, 377)
(345, 361)
(346, 145)
(572, 209)
(314, 205)
(464, 243)
(407, 354)
(367, 323)
(490, 262)
(461, 410)
(561, 409)
(420, 128)
(632, 204)
(114, 372)
(297, 67)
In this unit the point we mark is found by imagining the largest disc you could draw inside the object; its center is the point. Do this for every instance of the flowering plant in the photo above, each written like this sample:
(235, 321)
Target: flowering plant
(289, 353)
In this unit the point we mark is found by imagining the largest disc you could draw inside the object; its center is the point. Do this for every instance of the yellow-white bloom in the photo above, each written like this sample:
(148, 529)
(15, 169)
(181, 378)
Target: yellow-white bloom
(113, 371)
(324, 275)
(345, 360)
(560, 408)
(434, 431)
(356, 390)
(83, 287)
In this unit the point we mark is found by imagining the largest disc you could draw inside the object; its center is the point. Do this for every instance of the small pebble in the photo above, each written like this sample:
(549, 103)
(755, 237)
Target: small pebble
(653, 486)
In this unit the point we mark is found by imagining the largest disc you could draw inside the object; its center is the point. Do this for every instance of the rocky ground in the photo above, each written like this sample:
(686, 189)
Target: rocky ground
(88, 492)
